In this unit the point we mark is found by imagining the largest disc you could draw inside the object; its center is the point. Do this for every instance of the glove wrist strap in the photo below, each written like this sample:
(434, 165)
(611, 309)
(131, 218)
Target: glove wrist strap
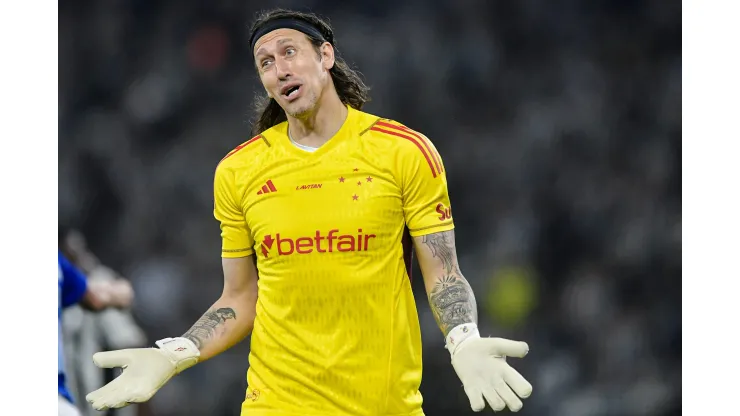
(458, 335)
(181, 351)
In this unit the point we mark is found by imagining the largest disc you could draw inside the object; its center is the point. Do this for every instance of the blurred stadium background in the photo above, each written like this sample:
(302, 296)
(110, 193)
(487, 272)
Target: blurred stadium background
(560, 126)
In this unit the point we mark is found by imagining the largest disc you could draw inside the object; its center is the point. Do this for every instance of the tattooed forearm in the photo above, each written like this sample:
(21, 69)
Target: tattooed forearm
(442, 246)
(452, 302)
(205, 328)
(450, 297)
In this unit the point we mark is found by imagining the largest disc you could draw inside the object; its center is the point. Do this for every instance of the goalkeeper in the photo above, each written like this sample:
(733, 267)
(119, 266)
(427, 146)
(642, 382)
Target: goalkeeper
(318, 215)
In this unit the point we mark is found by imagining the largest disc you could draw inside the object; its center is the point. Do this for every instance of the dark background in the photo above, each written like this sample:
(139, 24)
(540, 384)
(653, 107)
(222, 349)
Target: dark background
(560, 126)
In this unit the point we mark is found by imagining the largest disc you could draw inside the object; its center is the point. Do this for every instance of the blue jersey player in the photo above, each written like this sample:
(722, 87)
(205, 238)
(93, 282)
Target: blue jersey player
(74, 289)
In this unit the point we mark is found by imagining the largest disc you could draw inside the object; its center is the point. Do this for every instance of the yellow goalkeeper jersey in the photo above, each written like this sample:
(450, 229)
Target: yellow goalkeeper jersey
(336, 331)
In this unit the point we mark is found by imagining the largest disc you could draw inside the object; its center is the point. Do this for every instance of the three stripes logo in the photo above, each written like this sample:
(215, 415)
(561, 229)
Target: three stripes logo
(267, 188)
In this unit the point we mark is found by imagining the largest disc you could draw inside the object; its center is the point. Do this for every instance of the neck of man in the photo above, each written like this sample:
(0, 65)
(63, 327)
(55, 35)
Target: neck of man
(321, 124)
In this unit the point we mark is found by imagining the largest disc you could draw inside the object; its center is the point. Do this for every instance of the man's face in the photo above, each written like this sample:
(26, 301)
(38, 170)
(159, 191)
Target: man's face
(291, 71)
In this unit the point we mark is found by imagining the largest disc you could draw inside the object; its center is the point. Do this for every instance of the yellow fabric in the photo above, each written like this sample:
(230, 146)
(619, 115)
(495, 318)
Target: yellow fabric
(337, 330)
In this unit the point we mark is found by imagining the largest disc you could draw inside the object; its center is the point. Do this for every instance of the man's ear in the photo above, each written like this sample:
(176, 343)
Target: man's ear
(326, 52)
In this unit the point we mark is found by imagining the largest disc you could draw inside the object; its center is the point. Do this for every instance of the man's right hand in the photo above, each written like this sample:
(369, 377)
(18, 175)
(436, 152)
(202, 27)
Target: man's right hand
(145, 371)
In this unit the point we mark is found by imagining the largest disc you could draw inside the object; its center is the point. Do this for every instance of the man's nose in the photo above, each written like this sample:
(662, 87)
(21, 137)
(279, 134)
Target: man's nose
(283, 69)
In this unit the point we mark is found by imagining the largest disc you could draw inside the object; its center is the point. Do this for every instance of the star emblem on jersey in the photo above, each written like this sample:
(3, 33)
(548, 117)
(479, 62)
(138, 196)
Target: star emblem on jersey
(359, 178)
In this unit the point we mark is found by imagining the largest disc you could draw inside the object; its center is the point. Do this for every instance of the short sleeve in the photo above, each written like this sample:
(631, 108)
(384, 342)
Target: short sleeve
(426, 202)
(236, 238)
(74, 283)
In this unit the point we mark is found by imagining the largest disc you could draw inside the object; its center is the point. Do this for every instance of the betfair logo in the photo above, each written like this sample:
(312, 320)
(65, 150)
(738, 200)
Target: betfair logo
(445, 213)
(319, 242)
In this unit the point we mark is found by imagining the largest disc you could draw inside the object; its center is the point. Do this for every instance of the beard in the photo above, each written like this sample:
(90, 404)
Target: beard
(303, 106)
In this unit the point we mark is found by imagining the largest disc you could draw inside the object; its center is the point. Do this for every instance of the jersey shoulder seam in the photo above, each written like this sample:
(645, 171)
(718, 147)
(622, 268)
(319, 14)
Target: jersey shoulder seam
(377, 119)
(247, 146)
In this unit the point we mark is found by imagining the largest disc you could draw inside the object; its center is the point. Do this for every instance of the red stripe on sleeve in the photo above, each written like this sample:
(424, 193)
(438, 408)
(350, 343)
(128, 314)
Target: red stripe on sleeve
(271, 186)
(435, 156)
(240, 147)
(437, 159)
(412, 140)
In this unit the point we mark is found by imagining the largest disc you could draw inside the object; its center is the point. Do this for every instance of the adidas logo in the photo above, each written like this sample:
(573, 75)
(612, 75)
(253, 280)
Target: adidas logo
(267, 188)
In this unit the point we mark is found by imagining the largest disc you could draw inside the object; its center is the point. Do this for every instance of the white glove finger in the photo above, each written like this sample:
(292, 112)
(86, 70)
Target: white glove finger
(93, 395)
(476, 398)
(493, 399)
(105, 396)
(518, 383)
(105, 400)
(135, 396)
(111, 404)
(508, 348)
(110, 359)
(509, 397)
(100, 393)
(120, 405)
(115, 400)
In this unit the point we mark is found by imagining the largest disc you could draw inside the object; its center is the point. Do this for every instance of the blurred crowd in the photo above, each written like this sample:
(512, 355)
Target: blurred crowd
(559, 124)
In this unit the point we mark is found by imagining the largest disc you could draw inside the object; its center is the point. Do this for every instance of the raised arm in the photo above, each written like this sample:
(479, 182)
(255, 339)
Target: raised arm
(146, 370)
(231, 318)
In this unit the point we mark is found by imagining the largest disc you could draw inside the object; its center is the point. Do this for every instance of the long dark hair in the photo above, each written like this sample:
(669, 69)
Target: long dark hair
(351, 89)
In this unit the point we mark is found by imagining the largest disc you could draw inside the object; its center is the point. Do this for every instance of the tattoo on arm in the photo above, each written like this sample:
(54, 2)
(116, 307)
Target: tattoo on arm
(442, 246)
(205, 328)
(452, 303)
(451, 299)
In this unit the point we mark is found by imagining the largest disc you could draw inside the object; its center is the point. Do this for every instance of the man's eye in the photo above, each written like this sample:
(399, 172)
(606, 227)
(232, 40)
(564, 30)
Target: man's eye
(265, 63)
(290, 51)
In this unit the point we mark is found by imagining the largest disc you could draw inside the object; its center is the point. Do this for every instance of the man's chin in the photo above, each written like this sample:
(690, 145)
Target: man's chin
(298, 111)
(302, 107)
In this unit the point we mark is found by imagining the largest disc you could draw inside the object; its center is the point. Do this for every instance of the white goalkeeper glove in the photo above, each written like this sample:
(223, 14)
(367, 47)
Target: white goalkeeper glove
(481, 365)
(145, 371)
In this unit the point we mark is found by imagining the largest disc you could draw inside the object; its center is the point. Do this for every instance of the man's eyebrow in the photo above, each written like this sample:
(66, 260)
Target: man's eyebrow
(262, 51)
